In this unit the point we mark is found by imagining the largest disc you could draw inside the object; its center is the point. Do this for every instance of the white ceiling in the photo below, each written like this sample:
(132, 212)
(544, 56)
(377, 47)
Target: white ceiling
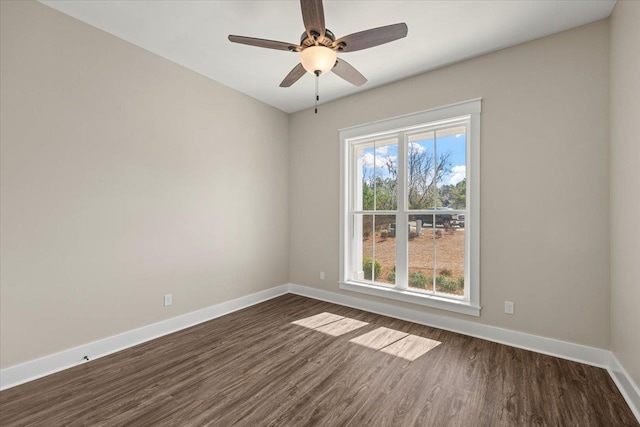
(194, 34)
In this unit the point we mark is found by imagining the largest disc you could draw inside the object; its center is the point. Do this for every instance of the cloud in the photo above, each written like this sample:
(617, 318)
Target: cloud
(381, 161)
(382, 151)
(416, 148)
(458, 173)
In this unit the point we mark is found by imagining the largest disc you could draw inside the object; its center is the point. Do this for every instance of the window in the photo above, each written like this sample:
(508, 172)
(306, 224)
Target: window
(410, 208)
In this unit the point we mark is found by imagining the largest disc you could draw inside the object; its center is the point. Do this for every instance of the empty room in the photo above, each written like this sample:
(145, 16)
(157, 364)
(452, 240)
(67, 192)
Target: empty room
(331, 213)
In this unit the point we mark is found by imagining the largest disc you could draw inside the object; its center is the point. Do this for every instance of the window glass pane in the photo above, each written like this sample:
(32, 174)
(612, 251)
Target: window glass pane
(375, 251)
(420, 171)
(362, 246)
(436, 168)
(386, 174)
(384, 258)
(364, 178)
(449, 255)
(421, 252)
(451, 146)
(376, 175)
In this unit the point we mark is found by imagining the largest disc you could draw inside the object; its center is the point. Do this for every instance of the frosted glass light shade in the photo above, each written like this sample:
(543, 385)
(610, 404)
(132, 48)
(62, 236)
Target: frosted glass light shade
(318, 58)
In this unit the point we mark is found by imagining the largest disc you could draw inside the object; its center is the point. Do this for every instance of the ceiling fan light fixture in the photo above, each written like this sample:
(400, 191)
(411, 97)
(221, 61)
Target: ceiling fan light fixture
(318, 46)
(318, 58)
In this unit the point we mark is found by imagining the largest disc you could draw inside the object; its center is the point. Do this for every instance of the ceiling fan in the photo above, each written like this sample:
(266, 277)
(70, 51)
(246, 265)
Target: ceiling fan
(318, 46)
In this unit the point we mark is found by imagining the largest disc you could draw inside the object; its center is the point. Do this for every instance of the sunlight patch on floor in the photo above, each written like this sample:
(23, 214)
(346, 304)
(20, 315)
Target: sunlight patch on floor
(411, 347)
(389, 341)
(379, 338)
(317, 320)
(330, 324)
(341, 327)
(396, 343)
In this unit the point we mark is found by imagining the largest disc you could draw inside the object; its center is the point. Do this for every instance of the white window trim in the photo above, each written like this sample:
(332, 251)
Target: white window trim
(471, 108)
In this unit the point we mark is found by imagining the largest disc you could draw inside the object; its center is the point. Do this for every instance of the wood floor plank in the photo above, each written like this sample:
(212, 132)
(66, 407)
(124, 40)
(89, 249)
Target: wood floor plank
(256, 367)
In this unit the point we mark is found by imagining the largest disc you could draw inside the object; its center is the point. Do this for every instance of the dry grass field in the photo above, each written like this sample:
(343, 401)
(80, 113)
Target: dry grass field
(446, 247)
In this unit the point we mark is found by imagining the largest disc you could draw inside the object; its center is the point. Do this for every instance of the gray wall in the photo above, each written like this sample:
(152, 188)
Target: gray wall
(544, 180)
(625, 182)
(125, 177)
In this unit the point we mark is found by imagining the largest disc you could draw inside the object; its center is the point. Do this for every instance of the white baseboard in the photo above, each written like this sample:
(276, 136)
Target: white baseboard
(627, 387)
(576, 352)
(562, 349)
(38, 368)
(28, 371)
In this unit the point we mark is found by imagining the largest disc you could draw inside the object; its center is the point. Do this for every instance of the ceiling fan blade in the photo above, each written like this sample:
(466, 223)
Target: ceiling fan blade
(313, 17)
(269, 44)
(371, 38)
(346, 71)
(293, 76)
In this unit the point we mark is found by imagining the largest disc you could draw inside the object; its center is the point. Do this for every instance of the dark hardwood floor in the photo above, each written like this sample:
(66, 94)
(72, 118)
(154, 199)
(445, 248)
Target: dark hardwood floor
(256, 368)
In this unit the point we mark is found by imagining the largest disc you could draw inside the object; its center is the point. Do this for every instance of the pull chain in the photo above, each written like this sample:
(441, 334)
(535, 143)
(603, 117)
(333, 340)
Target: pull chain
(317, 73)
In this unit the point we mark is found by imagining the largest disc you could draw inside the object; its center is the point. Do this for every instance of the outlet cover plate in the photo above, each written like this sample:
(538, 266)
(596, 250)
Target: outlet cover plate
(508, 307)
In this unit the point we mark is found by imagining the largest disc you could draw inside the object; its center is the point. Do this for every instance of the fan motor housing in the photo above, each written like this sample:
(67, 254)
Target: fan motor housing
(326, 40)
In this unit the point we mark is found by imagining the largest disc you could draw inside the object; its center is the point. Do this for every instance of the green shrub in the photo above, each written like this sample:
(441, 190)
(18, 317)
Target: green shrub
(445, 272)
(444, 284)
(368, 265)
(391, 275)
(419, 280)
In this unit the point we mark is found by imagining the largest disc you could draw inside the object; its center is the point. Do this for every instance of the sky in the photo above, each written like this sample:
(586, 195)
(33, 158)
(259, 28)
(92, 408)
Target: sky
(455, 144)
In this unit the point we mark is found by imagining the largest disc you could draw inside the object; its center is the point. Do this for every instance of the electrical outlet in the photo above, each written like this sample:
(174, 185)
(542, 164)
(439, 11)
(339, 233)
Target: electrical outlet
(168, 300)
(322, 275)
(508, 307)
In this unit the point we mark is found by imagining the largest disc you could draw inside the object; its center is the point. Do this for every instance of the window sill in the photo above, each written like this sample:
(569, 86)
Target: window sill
(434, 301)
